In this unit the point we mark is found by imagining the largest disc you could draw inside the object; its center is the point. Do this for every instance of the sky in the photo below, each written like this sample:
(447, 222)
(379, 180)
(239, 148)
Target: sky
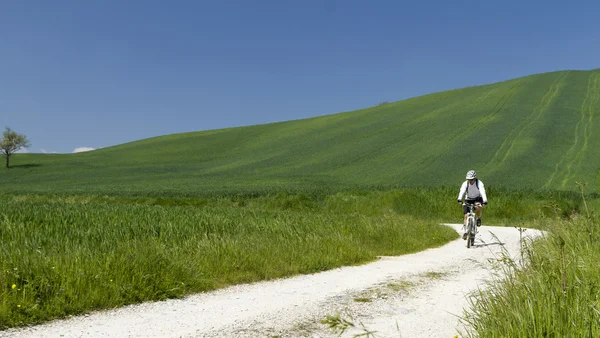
(82, 75)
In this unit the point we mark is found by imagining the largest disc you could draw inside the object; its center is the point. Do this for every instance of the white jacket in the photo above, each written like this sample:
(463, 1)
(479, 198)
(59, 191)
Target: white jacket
(472, 191)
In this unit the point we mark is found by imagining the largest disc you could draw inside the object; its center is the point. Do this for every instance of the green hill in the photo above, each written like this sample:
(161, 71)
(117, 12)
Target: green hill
(539, 131)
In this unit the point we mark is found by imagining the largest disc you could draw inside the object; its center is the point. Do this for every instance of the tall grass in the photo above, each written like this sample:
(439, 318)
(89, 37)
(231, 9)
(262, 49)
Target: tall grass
(68, 255)
(65, 256)
(554, 292)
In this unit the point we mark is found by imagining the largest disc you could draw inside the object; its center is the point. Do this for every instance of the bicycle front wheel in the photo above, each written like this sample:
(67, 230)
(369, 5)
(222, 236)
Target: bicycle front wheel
(470, 233)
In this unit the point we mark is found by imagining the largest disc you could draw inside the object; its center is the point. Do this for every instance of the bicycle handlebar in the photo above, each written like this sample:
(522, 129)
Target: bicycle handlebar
(466, 204)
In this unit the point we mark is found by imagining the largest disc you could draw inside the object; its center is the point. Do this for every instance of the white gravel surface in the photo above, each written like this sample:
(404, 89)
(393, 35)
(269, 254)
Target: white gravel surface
(416, 295)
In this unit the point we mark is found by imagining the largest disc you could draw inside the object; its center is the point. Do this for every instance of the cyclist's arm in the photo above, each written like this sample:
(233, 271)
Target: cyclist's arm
(463, 189)
(482, 191)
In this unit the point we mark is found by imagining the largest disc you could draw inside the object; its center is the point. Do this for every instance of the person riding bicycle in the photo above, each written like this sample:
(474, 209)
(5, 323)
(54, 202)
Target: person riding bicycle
(474, 190)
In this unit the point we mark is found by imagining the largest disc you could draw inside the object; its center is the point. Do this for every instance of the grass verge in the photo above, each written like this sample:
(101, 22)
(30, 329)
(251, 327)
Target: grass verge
(554, 291)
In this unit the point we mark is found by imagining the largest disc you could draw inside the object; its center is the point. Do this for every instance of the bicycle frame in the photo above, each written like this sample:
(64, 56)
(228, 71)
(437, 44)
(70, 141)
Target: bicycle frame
(471, 226)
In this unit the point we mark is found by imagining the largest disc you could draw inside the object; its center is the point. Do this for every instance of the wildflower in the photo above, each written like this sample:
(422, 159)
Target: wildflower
(14, 286)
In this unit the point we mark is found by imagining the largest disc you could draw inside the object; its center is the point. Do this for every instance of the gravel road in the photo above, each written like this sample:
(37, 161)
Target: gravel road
(416, 295)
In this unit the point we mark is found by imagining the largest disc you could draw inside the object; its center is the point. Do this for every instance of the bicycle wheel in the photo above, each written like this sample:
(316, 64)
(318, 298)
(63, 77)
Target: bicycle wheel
(469, 232)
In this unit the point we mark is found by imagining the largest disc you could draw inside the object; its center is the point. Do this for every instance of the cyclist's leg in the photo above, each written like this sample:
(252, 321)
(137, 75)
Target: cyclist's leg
(465, 230)
(479, 210)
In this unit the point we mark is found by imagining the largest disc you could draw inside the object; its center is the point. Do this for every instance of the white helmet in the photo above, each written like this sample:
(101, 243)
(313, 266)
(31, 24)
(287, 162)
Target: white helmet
(471, 174)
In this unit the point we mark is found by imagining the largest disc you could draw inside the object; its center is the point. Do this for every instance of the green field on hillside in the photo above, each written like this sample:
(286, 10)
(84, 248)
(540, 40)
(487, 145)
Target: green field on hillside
(536, 132)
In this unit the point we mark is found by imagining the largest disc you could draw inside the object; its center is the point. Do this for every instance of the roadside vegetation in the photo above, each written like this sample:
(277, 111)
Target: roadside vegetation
(66, 255)
(553, 292)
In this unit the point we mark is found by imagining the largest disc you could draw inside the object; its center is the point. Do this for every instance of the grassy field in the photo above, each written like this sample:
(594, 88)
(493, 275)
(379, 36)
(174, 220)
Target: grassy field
(69, 255)
(535, 132)
(64, 256)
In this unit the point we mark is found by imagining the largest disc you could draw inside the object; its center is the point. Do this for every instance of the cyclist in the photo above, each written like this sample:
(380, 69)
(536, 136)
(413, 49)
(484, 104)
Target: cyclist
(475, 193)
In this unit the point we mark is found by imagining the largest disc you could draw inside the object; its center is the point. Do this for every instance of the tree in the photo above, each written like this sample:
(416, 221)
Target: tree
(12, 142)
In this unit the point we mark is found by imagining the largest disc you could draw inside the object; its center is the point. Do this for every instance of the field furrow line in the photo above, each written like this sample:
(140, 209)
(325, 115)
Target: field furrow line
(488, 117)
(587, 115)
(484, 119)
(537, 112)
(482, 98)
(504, 150)
(587, 130)
(575, 139)
(501, 103)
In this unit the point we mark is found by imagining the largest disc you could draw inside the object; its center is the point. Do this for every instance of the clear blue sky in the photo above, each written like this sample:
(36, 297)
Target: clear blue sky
(100, 73)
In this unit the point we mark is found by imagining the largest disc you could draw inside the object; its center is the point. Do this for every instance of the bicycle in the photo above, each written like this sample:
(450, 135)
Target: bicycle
(471, 226)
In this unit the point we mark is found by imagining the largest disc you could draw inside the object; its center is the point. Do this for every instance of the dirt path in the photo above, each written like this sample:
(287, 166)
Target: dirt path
(416, 295)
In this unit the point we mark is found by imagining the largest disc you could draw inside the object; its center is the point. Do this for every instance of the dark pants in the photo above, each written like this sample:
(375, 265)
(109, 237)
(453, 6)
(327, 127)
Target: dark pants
(471, 201)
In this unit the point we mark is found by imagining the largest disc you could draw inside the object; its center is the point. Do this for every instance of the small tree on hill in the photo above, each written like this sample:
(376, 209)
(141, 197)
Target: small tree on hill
(11, 143)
